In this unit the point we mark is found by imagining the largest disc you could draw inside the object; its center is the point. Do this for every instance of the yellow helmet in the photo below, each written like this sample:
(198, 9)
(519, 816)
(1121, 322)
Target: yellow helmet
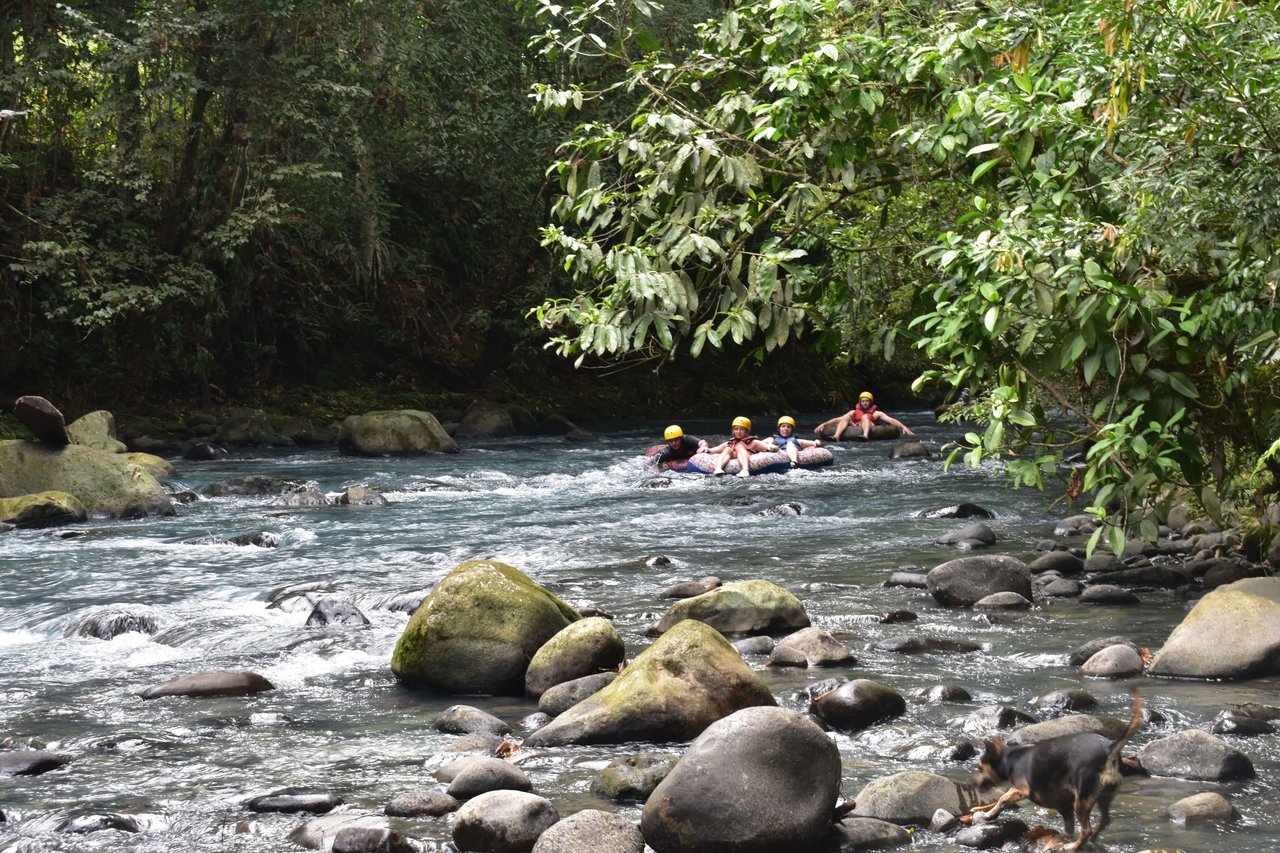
(786, 419)
(673, 431)
(745, 423)
(868, 395)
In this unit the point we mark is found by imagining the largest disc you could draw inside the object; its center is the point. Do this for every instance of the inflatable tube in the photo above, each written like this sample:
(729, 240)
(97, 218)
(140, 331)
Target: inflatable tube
(854, 433)
(775, 462)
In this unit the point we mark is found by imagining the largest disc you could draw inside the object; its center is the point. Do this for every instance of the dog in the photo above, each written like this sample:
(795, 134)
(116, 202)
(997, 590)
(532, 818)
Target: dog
(1071, 774)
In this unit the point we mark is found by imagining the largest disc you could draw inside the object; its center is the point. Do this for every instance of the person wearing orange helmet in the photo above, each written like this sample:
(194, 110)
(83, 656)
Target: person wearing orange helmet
(785, 440)
(864, 415)
(741, 446)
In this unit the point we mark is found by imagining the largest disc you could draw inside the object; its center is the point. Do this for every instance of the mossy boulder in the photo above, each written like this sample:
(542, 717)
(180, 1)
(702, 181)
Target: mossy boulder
(478, 629)
(96, 429)
(156, 466)
(402, 432)
(1232, 632)
(107, 484)
(745, 607)
(44, 509)
(689, 678)
(584, 648)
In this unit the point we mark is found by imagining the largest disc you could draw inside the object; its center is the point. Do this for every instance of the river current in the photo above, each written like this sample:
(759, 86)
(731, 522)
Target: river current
(581, 519)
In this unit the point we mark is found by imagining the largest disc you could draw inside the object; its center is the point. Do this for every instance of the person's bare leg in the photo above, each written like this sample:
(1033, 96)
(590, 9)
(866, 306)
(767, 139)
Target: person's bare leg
(744, 461)
(793, 454)
(843, 424)
(721, 461)
(866, 427)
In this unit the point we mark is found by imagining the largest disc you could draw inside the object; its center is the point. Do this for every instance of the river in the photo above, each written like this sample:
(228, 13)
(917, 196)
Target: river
(580, 519)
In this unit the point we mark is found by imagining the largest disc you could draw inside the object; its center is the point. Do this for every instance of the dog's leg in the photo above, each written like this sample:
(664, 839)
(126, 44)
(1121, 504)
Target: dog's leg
(1012, 795)
(1083, 807)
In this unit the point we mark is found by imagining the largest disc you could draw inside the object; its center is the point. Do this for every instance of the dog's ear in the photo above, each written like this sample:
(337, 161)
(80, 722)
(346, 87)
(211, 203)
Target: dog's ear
(992, 747)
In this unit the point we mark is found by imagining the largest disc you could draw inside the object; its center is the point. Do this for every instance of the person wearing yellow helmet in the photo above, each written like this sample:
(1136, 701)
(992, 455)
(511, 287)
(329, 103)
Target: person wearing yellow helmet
(740, 447)
(864, 414)
(786, 441)
(679, 446)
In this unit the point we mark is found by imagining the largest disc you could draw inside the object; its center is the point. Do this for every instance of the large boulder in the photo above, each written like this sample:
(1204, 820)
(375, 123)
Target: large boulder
(486, 420)
(250, 428)
(967, 580)
(909, 798)
(44, 509)
(503, 822)
(1232, 632)
(395, 433)
(106, 484)
(210, 684)
(478, 629)
(591, 831)
(746, 607)
(564, 696)
(757, 781)
(1194, 754)
(44, 420)
(689, 678)
(858, 704)
(583, 648)
(98, 430)
(1074, 724)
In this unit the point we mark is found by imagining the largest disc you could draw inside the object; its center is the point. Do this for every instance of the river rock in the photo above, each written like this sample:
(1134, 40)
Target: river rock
(854, 834)
(485, 420)
(757, 781)
(965, 580)
(910, 450)
(1002, 601)
(1118, 661)
(361, 496)
(1194, 754)
(564, 696)
(591, 831)
(295, 803)
(321, 832)
(159, 468)
(1225, 572)
(945, 693)
(1061, 588)
(1207, 807)
(1065, 700)
(305, 498)
(583, 648)
(465, 720)
(1063, 562)
(330, 611)
(632, 777)
(393, 433)
(29, 762)
(976, 531)
(503, 822)
(478, 629)
(816, 648)
(109, 622)
(965, 510)
(909, 798)
(252, 484)
(916, 644)
(689, 678)
(760, 645)
(488, 774)
(485, 743)
(910, 580)
(1108, 594)
(688, 589)
(106, 484)
(43, 419)
(990, 717)
(858, 704)
(745, 607)
(1091, 648)
(372, 839)
(1232, 632)
(988, 835)
(1240, 725)
(1159, 577)
(421, 804)
(1108, 727)
(209, 684)
(42, 509)
(203, 451)
(97, 430)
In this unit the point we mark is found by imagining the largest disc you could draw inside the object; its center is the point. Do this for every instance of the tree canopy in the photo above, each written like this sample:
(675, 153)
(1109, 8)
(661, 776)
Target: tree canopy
(1063, 207)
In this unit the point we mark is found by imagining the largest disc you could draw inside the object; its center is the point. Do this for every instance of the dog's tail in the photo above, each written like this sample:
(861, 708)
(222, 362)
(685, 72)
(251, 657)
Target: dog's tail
(1134, 724)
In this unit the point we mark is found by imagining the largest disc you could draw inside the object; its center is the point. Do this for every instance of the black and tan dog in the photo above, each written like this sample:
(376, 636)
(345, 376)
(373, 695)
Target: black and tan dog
(1071, 774)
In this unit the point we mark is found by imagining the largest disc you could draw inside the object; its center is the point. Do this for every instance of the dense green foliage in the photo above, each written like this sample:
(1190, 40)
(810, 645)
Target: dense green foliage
(1066, 208)
(238, 192)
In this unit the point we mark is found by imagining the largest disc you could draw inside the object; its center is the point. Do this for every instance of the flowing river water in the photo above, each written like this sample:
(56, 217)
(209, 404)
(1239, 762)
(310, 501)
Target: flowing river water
(581, 519)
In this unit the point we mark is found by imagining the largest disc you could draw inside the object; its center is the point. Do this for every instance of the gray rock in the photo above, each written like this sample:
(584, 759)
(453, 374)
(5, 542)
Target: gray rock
(946, 693)
(1119, 661)
(252, 484)
(909, 798)
(585, 647)
(1159, 577)
(965, 510)
(295, 803)
(866, 833)
(988, 835)
(591, 831)
(915, 644)
(761, 779)
(632, 777)
(858, 704)
(1193, 754)
(761, 645)
(1061, 588)
(485, 420)
(976, 531)
(480, 775)
(1207, 807)
(1065, 700)
(320, 832)
(1091, 648)
(1232, 632)
(744, 607)
(1076, 525)
(1108, 727)
(816, 648)
(963, 581)
(465, 719)
(329, 611)
(97, 430)
(405, 432)
(1063, 562)
(113, 620)
(29, 762)
(910, 450)
(371, 839)
(303, 499)
(361, 496)
(1002, 601)
(564, 696)
(990, 717)
(485, 742)
(1240, 725)
(503, 822)
(210, 684)
(421, 804)
(910, 580)
(1105, 593)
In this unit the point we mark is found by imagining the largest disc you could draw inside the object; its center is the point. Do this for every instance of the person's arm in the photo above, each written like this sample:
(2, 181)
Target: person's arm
(892, 421)
(805, 443)
(719, 447)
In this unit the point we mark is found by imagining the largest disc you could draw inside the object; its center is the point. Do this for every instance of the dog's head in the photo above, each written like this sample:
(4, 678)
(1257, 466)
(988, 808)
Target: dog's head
(990, 765)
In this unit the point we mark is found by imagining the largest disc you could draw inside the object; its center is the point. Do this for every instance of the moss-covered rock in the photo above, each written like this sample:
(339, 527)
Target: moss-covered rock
(98, 430)
(397, 433)
(746, 607)
(107, 484)
(478, 629)
(157, 467)
(689, 678)
(583, 648)
(43, 509)
(1232, 632)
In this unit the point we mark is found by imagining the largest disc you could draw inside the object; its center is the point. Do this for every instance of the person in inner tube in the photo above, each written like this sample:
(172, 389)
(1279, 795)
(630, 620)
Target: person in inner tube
(679, 446)
(786, 441)
(863, 415)
(740, 447)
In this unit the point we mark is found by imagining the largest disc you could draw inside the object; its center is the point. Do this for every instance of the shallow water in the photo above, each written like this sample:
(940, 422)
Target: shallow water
(580, 519)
